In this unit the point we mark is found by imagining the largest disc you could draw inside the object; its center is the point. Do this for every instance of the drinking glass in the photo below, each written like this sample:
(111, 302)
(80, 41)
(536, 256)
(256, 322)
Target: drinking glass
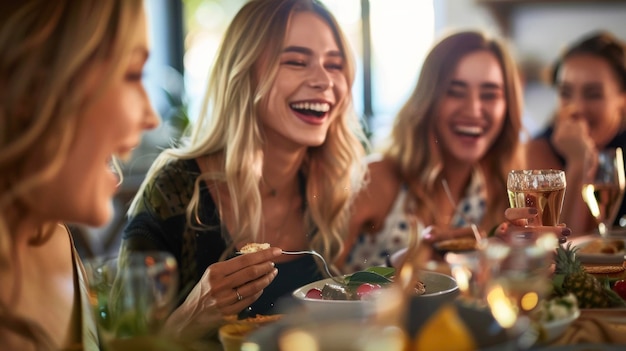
(131, 295)
(543, 189)
(519, 279)
(470, 270)
(603, 187)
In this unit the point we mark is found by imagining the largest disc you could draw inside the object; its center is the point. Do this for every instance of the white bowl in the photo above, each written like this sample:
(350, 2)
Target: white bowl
(438, 287)
(552, 330)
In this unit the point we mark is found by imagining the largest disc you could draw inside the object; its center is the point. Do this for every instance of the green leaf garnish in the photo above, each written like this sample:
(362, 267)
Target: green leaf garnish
(386, 272)
(362, 277)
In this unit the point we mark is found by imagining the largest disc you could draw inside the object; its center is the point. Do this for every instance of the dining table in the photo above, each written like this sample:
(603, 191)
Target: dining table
(594, 330)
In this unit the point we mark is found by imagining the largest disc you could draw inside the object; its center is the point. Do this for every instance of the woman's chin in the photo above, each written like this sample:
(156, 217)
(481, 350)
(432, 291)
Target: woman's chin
(99, 217)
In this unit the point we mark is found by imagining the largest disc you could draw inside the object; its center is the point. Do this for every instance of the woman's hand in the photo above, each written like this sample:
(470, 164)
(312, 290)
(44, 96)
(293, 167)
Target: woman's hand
(516, 225)
(225, 288)
(572, 140)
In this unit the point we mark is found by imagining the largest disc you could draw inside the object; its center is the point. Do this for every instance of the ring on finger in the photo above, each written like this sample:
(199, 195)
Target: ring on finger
(239, 297)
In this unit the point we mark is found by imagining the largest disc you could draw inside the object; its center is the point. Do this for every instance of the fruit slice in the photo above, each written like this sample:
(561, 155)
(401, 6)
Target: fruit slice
(444, 331)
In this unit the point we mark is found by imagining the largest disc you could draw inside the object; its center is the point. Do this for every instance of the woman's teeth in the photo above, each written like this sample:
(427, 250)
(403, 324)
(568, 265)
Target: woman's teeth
(469, 130)
(311, 108)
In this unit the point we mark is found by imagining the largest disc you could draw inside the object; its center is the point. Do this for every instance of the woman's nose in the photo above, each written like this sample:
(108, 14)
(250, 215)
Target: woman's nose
(151, 119)
(319, 78)
(474, 105)
(572, 108)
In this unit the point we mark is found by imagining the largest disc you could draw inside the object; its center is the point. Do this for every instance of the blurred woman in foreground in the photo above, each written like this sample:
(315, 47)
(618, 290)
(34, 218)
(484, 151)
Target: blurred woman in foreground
(72, 101)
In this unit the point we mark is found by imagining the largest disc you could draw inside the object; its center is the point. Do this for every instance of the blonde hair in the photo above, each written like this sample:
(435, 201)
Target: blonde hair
(48, 48)
(414, 127)
(228, 129)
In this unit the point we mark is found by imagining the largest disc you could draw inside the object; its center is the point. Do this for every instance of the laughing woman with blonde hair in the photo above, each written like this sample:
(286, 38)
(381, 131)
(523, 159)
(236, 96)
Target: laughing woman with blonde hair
(71, 100)
(274, 157)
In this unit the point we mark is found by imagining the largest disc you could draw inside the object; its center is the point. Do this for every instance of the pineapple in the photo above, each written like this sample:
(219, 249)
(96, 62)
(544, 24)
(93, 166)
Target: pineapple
(570, 276)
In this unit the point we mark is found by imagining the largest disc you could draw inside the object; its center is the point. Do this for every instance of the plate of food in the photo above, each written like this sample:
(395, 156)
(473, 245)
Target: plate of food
(356, 298)
(554, 315)
(600, 250)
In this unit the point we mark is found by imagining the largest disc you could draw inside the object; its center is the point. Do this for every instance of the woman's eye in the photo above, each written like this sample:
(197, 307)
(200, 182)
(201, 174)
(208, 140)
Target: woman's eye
(593, 96)
(335, 66)
(489, 96)
(456, 93)
(295, 63)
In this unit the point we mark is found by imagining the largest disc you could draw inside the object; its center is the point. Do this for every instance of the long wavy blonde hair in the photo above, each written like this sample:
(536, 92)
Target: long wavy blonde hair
(420, 166)
(228, 129)
(48, 47)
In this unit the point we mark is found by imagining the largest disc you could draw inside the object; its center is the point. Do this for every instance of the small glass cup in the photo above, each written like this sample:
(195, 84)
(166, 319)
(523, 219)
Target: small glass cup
(131, 296)
(470, 271)
(519, 278)
(543, 189)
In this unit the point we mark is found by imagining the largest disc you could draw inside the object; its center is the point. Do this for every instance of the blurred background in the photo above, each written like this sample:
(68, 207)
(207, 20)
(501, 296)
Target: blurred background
(389, 38)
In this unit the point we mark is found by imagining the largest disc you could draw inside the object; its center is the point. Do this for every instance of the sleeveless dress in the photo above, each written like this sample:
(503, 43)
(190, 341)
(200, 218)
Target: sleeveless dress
(90, 340)
(375, 249)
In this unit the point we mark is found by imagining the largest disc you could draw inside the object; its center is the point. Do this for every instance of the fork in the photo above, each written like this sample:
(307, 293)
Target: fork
(314, 253)
(318, 255)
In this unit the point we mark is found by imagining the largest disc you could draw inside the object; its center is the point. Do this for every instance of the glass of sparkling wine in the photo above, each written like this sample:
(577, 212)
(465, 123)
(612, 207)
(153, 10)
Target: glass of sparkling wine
(543, 189)
(603, 187)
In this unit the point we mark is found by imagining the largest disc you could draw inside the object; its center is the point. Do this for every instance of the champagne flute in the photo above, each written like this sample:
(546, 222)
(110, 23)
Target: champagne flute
(543, 189)
(603, 187)
(131, 295)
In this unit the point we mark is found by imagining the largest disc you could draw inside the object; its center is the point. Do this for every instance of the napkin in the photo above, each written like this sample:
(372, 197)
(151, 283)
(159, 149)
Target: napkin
(592, 330)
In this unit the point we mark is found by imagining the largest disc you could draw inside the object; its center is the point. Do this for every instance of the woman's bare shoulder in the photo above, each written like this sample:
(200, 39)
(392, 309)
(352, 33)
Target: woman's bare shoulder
(538, 154)
(375, 200)
(382, 186)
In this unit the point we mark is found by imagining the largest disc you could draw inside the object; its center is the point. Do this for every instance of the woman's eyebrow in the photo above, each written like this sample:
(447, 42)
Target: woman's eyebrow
(298, 49)
(306, 51)
(485, 85)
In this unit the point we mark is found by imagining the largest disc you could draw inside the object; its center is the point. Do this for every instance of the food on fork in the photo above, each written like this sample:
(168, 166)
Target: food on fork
(254, 247)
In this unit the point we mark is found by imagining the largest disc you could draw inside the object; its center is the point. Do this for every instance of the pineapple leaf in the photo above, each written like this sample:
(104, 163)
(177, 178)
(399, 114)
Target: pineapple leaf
(557, 283)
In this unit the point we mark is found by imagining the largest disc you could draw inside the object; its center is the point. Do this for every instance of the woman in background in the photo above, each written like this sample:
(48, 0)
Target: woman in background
(274, 157)
(459, 128)
(72, 101)
(591, 80)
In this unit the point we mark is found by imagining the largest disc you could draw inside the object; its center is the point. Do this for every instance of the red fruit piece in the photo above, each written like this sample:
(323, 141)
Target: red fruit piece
(314, 294)
(620, 288)
(366, 289)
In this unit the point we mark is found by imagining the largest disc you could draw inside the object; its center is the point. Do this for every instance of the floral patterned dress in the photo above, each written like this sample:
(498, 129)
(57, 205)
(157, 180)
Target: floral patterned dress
(375, 249)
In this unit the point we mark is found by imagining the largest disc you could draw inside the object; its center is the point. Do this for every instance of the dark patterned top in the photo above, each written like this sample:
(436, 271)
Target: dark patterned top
(159, 224)
(618, 141)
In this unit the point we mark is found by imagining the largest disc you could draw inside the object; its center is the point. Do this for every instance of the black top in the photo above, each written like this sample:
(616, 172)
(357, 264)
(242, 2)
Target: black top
(159, 224)
(618, 141)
